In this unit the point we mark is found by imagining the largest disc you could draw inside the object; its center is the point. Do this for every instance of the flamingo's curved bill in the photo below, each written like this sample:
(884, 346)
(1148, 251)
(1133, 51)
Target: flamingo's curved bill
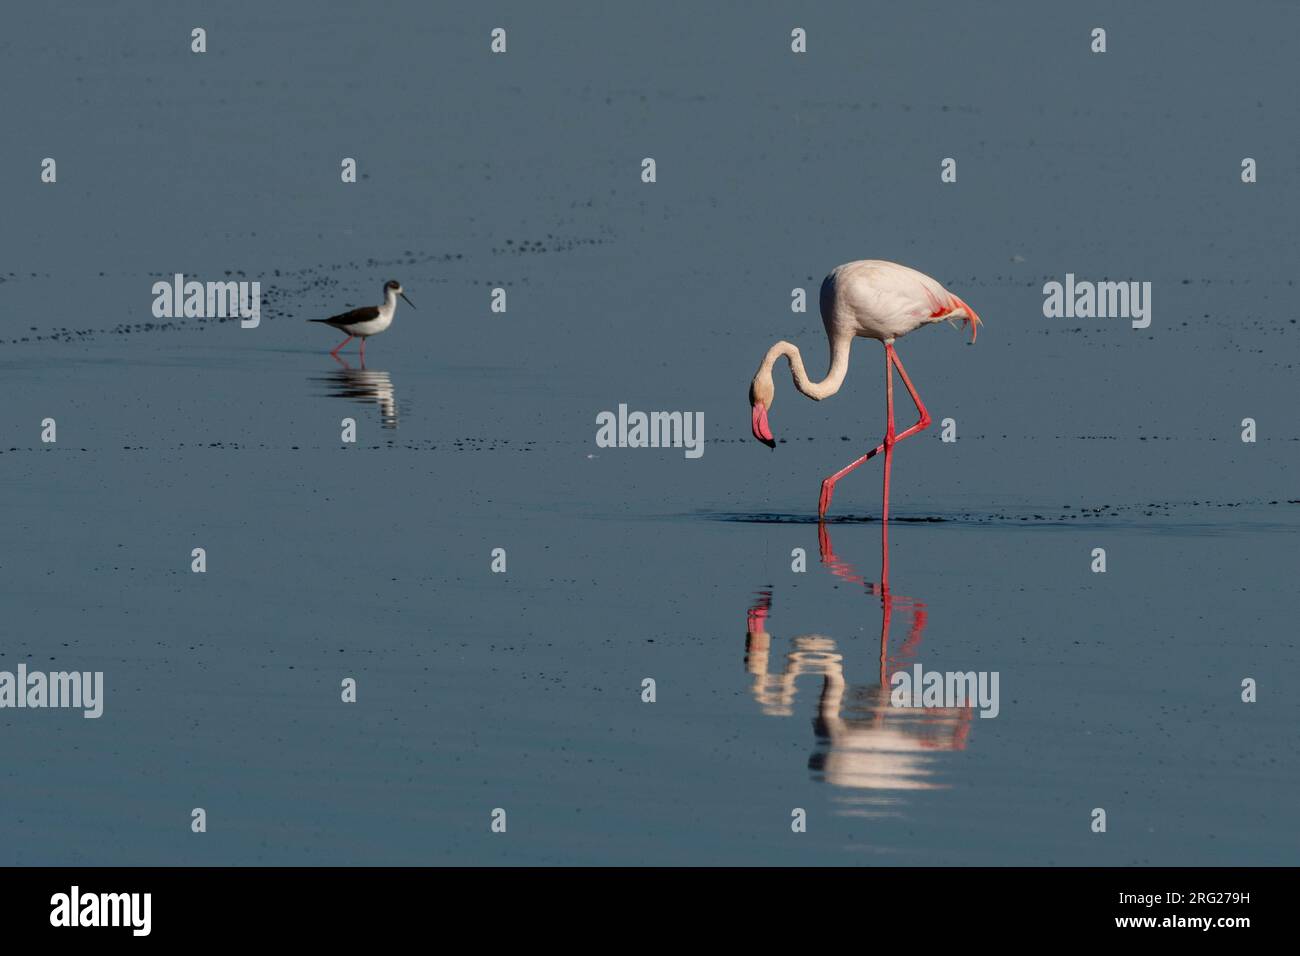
(761, 431)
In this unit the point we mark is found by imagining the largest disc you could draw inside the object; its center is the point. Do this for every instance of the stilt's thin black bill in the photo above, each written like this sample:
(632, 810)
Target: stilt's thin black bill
(408, 301)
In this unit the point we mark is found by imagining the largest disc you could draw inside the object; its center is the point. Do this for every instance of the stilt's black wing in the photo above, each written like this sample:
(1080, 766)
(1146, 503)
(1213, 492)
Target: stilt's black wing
(363, 314)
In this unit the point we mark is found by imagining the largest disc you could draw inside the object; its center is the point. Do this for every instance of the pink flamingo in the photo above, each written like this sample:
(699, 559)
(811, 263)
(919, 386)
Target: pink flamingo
(876, 300)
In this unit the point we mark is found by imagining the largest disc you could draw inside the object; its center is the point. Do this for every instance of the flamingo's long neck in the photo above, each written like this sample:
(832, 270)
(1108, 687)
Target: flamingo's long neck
(834, 377)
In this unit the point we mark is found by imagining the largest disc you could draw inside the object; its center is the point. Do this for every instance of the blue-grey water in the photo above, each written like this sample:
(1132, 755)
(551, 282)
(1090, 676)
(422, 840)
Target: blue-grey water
(476, 431)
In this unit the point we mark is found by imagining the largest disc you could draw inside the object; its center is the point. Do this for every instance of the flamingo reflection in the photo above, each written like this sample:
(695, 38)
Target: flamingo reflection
(862, 740)
(363, 385)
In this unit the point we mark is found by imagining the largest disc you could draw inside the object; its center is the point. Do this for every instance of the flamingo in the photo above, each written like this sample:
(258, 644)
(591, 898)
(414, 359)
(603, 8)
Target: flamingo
(873, 299)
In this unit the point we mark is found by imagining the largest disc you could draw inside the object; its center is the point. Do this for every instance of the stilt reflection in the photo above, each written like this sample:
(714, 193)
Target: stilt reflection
(363, 385)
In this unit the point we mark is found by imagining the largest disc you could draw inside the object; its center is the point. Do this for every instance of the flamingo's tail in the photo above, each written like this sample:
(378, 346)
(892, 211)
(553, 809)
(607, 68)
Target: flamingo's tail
(970, 319)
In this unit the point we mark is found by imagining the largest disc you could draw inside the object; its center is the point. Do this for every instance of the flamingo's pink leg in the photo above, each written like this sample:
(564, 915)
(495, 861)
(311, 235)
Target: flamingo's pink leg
(890, 441)
(828, 486)
(335, 353)
(924, 421)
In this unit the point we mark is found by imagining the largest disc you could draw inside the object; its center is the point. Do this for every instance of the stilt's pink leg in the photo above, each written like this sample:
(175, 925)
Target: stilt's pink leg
(828, 485)
(363, 351)
(335, 353)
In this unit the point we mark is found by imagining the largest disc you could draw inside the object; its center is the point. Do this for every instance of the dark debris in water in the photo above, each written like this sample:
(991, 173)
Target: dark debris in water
(456, 444)
(1070, 514)
(303, 291)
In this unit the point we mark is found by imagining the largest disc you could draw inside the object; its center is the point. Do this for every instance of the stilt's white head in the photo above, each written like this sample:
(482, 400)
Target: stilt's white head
(393, 287)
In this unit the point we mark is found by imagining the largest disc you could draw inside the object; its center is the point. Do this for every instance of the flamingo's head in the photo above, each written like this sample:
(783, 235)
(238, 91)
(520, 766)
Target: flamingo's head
(761, 395)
